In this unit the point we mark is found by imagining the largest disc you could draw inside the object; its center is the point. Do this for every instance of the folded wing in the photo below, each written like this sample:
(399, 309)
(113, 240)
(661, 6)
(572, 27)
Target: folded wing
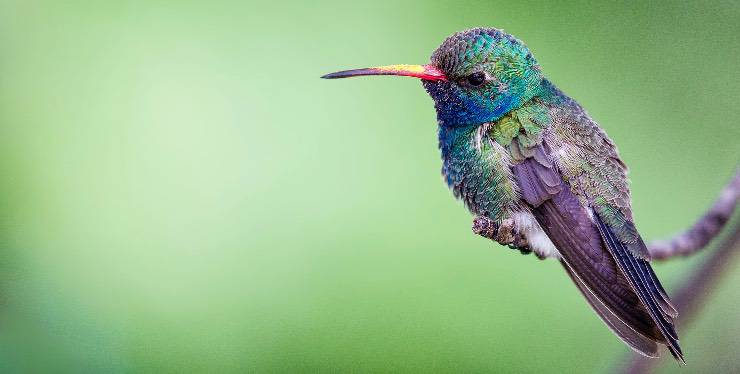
(620, 286)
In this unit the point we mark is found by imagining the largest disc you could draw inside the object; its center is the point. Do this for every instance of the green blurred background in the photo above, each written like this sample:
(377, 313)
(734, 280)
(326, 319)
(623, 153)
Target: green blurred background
(180, 192)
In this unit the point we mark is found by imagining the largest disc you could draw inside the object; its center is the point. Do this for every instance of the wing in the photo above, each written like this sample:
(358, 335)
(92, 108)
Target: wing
(638, 341)
(578, 194)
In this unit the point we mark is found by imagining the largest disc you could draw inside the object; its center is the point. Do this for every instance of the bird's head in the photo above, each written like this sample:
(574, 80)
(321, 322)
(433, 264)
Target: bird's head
(475, 76)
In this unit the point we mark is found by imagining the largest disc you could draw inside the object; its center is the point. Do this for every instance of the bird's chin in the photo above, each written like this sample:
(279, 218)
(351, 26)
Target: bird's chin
(436, 85)
(439, 90)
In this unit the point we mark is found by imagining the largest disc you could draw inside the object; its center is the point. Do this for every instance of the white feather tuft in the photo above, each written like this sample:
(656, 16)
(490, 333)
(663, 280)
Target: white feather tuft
(539, 242)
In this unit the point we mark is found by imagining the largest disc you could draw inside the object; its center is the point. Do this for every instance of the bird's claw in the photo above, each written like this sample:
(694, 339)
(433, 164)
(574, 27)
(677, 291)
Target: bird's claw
(504, 233)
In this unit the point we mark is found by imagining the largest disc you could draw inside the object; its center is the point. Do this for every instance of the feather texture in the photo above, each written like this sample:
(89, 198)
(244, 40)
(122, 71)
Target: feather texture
(624, 331)
(648, 288)
(570, 228)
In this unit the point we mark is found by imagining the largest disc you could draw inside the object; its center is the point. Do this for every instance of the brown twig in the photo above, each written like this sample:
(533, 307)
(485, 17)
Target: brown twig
(704, 230)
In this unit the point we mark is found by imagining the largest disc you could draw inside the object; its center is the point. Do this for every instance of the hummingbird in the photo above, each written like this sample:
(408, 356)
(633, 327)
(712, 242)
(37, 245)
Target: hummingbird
(539, 175)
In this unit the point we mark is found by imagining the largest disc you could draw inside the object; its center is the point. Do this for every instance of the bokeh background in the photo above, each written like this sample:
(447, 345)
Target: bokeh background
(181, 192)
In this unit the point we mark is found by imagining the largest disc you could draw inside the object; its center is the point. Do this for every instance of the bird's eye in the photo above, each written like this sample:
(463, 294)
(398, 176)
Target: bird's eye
(477, 78)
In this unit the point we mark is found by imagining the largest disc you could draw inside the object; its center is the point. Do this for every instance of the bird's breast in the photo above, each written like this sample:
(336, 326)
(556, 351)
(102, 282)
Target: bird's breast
(478, 170)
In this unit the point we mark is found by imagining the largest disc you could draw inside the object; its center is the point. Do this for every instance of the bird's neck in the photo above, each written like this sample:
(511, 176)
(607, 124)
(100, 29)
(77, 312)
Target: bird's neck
(455, 139)
(475, 154)
(462, 143)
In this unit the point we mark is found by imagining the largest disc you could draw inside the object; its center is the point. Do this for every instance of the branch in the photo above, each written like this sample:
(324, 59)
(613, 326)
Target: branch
(704, 230)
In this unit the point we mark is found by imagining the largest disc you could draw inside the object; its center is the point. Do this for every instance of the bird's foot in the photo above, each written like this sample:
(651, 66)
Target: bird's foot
(504, 233)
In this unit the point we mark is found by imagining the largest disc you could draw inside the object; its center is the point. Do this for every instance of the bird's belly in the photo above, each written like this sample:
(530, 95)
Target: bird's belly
(538, 240)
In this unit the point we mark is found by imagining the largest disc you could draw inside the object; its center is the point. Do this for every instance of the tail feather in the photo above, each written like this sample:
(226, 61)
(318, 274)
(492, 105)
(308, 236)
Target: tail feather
(633, 338)
(646, 285)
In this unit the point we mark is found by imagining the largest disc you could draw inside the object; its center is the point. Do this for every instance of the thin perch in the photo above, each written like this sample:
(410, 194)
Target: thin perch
(704, 230)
